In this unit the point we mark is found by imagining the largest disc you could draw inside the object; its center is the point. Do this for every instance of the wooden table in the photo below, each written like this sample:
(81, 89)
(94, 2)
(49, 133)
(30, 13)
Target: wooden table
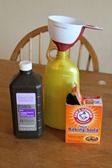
(50, 151)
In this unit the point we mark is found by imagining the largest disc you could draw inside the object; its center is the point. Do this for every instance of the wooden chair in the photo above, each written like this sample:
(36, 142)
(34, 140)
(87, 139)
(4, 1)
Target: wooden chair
(92, 56)
(84, 43)
(27, 40)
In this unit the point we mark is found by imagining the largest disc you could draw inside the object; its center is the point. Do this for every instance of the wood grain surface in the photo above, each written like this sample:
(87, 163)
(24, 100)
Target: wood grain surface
(51, 151)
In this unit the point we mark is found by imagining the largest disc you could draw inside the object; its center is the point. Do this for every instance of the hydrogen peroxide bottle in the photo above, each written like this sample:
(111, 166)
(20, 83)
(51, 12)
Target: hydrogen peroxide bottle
(60, 75)
(26, 102)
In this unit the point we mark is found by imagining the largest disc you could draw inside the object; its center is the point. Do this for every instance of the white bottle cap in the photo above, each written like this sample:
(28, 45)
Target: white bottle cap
(25, 65)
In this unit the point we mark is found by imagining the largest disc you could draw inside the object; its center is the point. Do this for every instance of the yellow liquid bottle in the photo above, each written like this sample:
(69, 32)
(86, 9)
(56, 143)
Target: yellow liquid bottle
(60, 75)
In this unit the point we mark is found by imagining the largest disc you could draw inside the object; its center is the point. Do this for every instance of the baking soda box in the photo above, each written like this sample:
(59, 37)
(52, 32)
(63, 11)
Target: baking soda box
(84, 122)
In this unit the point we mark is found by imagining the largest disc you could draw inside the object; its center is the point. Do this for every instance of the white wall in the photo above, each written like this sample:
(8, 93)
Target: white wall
(17, 17)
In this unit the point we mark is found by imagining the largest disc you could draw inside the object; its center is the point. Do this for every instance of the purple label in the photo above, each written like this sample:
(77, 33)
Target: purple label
(27, 112)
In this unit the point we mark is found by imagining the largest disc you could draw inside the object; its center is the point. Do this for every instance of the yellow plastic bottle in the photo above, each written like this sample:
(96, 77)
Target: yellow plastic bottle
(60, 75)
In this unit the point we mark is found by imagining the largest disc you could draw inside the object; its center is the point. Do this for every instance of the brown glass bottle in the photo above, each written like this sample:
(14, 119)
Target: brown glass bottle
(26, 102)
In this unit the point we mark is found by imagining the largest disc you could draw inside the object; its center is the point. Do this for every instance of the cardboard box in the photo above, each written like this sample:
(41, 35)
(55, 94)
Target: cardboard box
(84, 122)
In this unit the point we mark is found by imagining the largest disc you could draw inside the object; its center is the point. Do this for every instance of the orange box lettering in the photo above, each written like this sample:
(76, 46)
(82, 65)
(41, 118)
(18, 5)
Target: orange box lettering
(84, 122)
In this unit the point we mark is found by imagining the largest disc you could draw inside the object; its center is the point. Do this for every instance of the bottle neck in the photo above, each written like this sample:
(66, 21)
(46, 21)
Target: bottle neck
(63, 54)
(26, 72)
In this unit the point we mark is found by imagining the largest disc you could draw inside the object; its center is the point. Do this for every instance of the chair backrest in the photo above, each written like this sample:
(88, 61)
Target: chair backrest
(28, 40)
(84, 43)
(92, 56)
